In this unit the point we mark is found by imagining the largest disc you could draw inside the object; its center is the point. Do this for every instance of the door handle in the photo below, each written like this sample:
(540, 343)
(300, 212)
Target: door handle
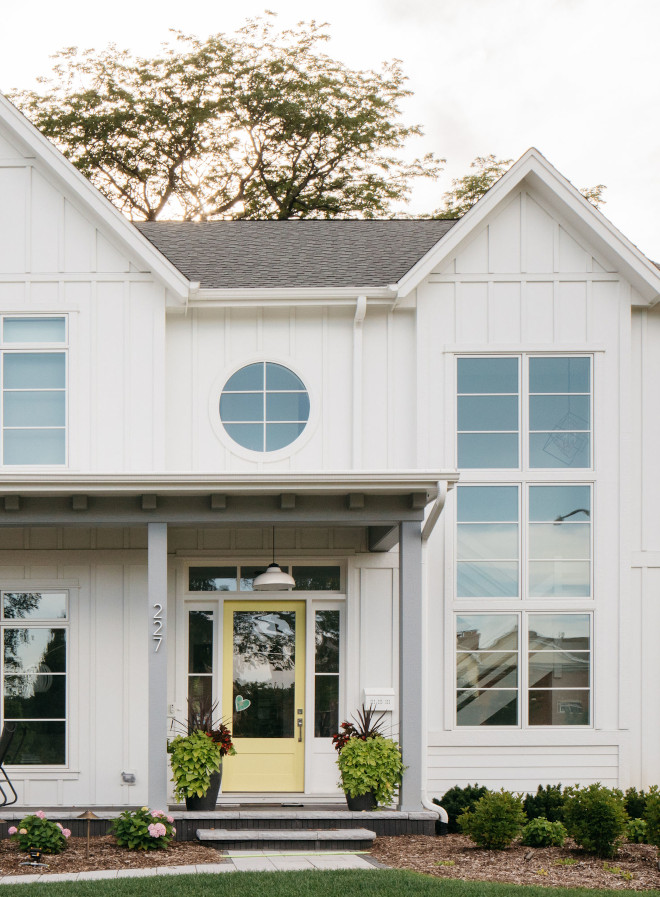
(300, 728)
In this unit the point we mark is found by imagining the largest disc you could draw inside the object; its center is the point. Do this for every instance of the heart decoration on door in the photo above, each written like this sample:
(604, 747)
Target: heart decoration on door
(241, 703)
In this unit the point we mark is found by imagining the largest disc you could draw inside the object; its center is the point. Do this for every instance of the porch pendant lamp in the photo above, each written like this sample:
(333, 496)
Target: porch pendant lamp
(273, 579)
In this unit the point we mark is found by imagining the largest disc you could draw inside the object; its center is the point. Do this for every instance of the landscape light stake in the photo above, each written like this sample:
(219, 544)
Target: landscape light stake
(88, 815)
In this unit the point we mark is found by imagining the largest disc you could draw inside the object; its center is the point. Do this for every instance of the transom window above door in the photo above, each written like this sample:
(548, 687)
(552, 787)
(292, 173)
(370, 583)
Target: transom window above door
(310, 578)
(264, 406)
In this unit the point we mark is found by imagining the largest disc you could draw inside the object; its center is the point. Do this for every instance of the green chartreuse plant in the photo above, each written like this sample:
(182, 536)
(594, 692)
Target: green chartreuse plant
(374, 765)
(194, 758)
(541, 832)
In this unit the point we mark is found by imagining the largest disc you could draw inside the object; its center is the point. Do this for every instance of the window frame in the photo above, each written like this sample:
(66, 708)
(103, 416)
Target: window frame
(523, 689)
(69, 672)
(215, 395)
(40, 348)
(524, 431)
(523, 523)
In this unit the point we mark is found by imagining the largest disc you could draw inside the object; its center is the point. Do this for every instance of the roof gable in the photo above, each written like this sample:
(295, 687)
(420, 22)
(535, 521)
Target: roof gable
(557, 193)
(22, 134)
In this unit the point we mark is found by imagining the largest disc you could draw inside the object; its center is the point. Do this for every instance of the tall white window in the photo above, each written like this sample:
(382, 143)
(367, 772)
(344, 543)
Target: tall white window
(34, 383)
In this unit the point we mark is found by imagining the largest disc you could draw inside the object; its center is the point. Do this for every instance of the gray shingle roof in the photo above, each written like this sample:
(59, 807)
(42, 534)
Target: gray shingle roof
(309, 253)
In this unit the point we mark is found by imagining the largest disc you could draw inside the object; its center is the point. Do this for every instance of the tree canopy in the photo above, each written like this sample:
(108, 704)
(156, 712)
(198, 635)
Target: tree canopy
(259, 124)
(471, 187)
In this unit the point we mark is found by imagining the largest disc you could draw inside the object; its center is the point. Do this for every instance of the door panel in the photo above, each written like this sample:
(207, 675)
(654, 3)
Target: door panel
(264, 685)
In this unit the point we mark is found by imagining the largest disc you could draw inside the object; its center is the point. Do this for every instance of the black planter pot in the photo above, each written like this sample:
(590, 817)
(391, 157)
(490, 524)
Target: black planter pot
(362, 801)
(209, 800)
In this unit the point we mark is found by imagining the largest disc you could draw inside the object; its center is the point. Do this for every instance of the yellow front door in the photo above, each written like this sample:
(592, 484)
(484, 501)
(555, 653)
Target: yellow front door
(264, 685)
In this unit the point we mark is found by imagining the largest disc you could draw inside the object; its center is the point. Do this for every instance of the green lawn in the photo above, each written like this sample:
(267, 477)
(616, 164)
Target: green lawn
(379, 883)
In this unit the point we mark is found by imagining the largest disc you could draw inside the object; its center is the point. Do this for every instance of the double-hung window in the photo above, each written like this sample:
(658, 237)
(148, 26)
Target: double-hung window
(33, 384)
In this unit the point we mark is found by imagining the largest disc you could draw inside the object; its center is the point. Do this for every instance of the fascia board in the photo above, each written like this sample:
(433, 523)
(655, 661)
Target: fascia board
(102, 210)
(309, 483)
(540, 173)
(297, 295)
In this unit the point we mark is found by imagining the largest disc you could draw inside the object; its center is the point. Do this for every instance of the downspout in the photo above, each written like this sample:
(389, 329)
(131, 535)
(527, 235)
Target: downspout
(427, 529)
(360, 313)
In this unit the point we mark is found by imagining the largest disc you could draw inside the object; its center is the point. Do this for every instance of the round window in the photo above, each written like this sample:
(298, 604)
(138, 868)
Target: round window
(264, 406)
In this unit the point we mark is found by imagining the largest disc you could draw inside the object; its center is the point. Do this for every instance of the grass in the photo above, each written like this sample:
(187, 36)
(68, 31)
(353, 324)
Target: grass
(377, 883)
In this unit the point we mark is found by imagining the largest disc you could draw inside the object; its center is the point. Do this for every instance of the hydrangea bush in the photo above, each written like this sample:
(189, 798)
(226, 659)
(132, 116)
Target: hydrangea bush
(144, 829)
(37, 832)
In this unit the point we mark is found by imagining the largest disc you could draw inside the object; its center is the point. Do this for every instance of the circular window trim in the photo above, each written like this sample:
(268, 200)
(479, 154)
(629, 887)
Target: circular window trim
(250, 454)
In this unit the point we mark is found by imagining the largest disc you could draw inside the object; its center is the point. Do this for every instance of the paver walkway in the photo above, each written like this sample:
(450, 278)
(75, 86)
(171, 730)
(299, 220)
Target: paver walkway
(236, 861)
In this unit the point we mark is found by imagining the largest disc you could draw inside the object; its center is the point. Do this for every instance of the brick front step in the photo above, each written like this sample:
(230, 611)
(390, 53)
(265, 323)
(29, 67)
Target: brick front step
(287, 839)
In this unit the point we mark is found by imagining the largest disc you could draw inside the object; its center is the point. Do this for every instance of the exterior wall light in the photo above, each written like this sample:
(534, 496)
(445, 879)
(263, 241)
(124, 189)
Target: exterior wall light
(273, 579)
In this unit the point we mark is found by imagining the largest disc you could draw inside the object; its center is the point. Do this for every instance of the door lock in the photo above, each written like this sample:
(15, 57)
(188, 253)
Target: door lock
(300, 727)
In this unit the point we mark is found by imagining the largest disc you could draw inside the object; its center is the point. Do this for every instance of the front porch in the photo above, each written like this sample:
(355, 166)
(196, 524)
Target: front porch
(183, 520)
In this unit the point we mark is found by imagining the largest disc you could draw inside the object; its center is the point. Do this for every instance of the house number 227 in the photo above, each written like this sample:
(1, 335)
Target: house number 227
(158, 625)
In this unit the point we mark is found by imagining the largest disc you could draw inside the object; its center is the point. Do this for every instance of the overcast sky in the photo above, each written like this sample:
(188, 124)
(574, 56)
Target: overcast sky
(578, 79)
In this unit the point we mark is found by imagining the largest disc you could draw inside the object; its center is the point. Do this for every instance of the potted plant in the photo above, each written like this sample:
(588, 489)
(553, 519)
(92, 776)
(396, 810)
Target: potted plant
(196, 758)
(370, 764)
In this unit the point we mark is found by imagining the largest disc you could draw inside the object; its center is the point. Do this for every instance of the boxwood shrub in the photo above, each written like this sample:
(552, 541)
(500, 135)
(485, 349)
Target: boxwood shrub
(541, 832)
(495, 820)
(595, 818)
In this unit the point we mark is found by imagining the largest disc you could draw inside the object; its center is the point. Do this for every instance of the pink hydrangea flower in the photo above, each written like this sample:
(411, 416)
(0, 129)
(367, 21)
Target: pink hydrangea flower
(23, 831)
(66, 832)
(59, 825)
(170, 818)
(40, 814)
(12, 830)
(157, 830)
(157, 813)
(173, 830)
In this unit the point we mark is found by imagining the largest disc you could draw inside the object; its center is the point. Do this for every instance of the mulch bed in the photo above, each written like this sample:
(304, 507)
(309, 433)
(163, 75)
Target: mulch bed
(521, 865)
(104, 854)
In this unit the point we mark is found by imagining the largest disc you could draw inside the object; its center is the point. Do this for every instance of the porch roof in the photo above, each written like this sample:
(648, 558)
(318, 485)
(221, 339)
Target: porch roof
(341, 498)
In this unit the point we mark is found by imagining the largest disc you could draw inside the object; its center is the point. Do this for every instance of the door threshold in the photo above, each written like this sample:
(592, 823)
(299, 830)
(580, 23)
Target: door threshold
(279, 799)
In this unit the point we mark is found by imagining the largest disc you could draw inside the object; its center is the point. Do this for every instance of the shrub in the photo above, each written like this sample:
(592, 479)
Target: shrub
(652, 816)
(635, 803)
(143, 830)
(595, 818)
(541, 832)
(459, 800)
(637, 831)
(35, 831)
(495, 820)
(372, 765)
(547, 802)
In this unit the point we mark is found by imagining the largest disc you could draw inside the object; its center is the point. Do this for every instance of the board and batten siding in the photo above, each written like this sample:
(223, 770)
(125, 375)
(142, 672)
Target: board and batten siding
(525, 282)
(207, 345)
(55, 260)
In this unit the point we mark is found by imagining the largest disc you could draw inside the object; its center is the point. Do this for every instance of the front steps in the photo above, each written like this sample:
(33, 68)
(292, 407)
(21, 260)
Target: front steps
(253, 818)
(287, 839)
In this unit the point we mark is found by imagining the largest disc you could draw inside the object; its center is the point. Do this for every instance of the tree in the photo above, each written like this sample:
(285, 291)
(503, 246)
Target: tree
(467, 190)
(259, 124)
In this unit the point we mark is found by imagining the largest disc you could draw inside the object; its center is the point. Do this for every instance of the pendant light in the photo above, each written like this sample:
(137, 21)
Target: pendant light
(273, 579)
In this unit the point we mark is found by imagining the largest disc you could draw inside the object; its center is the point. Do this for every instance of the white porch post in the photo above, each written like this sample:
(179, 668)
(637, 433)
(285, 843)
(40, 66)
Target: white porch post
(411, 642)
(157, 652)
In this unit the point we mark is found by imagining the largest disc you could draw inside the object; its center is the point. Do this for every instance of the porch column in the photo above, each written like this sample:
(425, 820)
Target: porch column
(411, 685)
(157, 652)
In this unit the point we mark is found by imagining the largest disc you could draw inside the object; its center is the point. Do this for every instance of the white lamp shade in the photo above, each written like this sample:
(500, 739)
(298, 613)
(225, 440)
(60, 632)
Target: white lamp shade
(274, 579)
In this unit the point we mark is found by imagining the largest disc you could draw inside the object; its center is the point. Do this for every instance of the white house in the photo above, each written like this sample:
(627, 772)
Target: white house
(449, 430)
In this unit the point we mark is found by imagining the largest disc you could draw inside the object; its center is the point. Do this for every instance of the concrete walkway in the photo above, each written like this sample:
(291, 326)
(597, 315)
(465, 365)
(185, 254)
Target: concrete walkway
(236, 861)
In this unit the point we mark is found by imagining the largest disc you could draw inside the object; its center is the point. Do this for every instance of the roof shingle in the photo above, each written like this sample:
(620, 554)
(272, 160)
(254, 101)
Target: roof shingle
(294, 253)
